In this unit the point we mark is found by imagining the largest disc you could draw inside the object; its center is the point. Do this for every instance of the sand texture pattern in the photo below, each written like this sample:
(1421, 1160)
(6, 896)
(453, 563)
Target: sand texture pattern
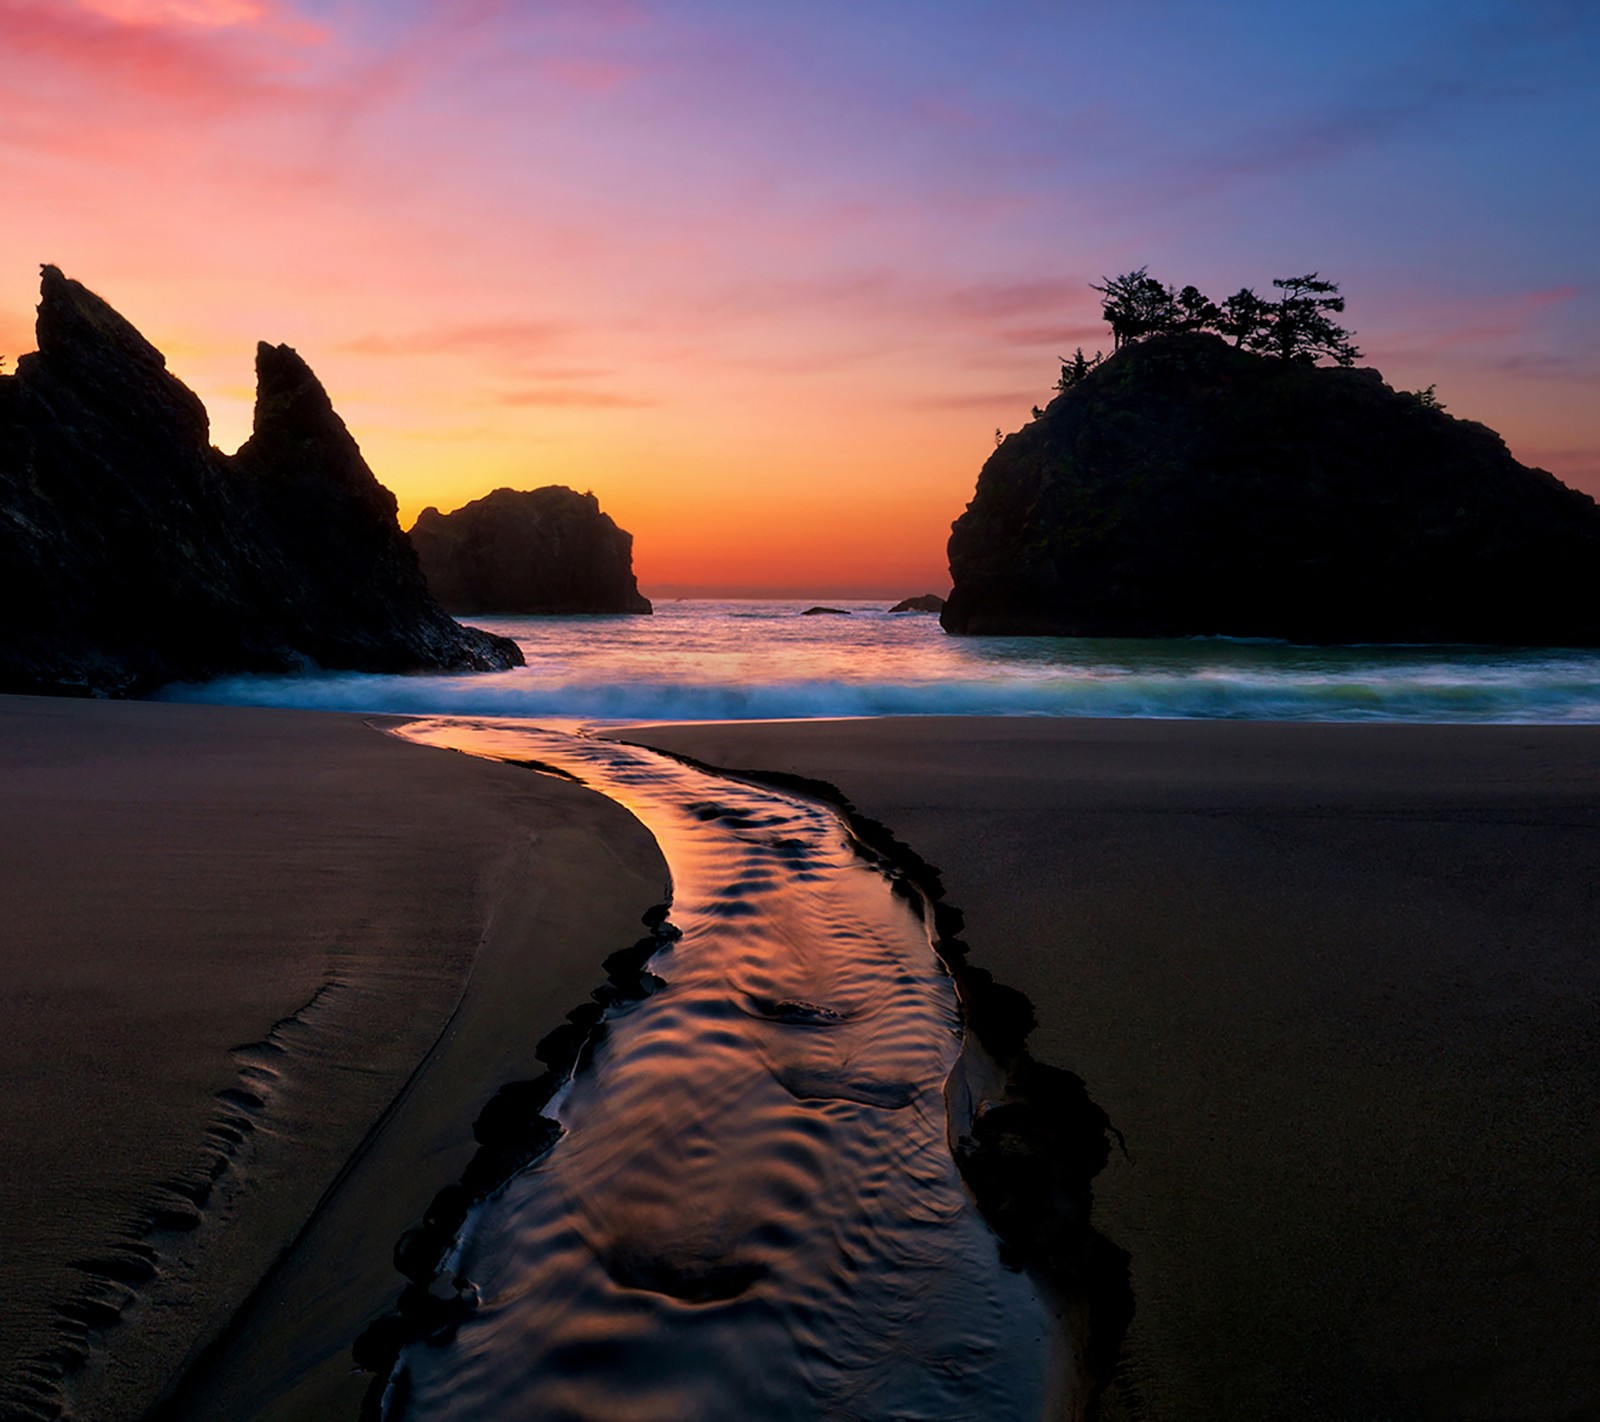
(231, 936)
(1339, 986)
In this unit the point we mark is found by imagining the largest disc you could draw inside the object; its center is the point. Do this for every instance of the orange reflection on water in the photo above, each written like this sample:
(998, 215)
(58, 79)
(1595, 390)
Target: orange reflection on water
(754, 1210)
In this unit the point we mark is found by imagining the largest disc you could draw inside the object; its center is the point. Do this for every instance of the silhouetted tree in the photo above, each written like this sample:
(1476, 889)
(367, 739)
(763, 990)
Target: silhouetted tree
(1243, 318)
(1299, 328)
(1428, 399)
(1196, 311)
(1074, 370)
(1295, 327)
(1136, 305)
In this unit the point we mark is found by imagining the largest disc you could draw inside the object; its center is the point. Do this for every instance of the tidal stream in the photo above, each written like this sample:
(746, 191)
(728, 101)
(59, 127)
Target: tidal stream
(753, 1211)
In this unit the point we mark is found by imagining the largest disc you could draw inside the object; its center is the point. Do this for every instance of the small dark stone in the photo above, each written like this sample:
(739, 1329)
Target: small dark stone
(448, 1209)
(927, 602)
(513, 1109)
(417, 1253)
(380, 1342)
(826, 612)
(558, 1049)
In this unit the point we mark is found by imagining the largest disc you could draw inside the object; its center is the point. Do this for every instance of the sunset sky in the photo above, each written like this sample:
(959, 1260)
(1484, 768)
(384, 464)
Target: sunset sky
(768, 277)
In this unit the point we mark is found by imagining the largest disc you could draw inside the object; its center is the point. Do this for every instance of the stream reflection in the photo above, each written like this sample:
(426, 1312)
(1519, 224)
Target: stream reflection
(754, 1211)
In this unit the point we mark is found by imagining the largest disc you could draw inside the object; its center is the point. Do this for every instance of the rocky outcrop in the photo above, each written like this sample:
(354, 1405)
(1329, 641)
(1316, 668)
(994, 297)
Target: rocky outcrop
(827, 612)
(133, 554)
(546, 550)
(926, 602)
(1185, 487)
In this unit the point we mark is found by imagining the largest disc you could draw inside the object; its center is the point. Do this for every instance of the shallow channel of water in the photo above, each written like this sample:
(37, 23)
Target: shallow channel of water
(754, 1211)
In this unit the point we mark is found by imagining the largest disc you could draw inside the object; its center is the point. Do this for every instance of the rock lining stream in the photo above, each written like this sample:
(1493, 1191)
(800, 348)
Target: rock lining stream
(737, 1191)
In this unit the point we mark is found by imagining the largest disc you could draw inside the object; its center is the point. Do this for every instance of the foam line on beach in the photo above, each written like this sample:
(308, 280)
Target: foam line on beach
(174, 1225)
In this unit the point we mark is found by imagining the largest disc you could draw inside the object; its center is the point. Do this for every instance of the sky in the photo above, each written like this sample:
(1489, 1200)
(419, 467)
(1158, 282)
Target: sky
(767, 278)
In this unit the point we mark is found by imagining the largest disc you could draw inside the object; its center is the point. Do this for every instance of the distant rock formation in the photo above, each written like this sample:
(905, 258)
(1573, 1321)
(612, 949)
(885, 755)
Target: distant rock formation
(826, 612)
(1185, 487)
(132, 553)
(546, 550)
(927, 602)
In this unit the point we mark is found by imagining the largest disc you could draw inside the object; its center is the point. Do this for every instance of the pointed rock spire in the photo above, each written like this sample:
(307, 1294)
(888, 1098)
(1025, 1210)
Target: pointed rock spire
(88, 348)
(297, 434)
(290, 401)
(73, 321)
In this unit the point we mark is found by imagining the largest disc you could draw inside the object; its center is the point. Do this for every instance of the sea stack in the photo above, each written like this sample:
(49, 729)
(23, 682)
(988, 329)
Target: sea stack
(133, 553)
(1185, 487)
(536, 551)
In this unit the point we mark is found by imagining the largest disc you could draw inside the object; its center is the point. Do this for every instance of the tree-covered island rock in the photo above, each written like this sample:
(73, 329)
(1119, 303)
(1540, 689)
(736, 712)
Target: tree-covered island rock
(133, 553)
(1183, 486)
(546, 550)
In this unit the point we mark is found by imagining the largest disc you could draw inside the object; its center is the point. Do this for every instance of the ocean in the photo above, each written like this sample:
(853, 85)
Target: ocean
(716, 660)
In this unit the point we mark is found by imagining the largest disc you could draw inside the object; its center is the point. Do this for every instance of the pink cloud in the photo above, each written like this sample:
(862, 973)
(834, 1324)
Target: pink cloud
(590, 76)
(1011, 400)
(503, 338)
(1000, 300)
(1483, 326)
(565, 398)
(1060, 334)
(266, 15)
(1473, 322)
(613, 14)
(188, 66)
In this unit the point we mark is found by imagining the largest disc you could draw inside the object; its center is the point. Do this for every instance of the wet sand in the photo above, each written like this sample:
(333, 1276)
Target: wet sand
(179, 882)
(1339, 986)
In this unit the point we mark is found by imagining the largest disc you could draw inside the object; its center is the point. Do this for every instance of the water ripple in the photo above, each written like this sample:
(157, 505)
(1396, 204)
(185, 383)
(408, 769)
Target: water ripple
(754, 1211)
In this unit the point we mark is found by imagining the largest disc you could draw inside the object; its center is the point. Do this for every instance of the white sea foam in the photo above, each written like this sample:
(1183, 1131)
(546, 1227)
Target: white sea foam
(763, 660)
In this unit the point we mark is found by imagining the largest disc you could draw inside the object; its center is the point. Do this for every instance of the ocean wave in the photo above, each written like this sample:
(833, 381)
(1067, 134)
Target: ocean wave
(1385, 695)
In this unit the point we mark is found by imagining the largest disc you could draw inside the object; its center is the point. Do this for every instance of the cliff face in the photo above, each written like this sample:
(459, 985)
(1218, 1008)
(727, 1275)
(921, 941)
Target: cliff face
(1187, 488)
(132, 553)
(545, 550)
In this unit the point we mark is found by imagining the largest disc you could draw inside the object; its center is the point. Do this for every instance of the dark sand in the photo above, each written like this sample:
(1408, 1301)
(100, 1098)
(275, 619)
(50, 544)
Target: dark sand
(176, 880)
(1340, 988)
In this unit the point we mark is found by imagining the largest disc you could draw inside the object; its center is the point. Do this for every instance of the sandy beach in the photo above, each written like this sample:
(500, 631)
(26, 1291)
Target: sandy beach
(1339, 987)
(180, 883)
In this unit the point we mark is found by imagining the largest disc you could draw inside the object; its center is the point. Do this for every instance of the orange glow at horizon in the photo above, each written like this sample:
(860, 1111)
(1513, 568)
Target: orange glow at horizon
(770, 312)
